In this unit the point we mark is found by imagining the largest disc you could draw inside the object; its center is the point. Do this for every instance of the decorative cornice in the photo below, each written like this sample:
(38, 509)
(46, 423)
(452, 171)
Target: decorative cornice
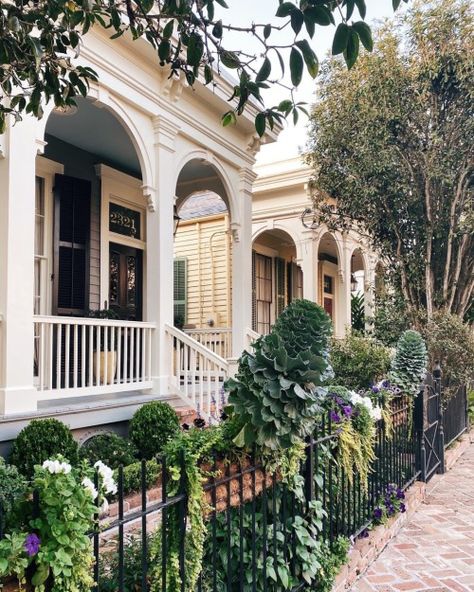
(235, 231)
(254, 144)
(173, 87)
(40, 146)
(149, 193)
(247, 176)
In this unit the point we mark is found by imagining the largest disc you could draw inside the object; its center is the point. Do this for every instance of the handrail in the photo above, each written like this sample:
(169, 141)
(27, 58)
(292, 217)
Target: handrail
(215, 330)
(197, 373)
(186, 339)
(56, 320)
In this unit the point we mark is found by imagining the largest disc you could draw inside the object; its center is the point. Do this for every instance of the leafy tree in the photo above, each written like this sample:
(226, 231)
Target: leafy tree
(393, 141)
(40, 40)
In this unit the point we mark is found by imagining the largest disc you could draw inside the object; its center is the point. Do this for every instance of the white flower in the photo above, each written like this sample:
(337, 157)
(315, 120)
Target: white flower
(104, 508)
(90, 487)
(110, 486)
(56, 467)
(108, 482)
(355, 398)
(376, 413)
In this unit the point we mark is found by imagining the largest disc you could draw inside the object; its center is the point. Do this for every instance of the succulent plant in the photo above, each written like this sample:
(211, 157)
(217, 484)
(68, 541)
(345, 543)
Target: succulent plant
(278, 391)
(408, 368)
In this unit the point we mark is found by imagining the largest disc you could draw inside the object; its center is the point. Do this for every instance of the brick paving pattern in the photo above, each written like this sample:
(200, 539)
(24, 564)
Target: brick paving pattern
(434, 551)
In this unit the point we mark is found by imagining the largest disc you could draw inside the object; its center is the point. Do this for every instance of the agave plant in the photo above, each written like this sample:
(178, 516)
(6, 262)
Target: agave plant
(277, 392)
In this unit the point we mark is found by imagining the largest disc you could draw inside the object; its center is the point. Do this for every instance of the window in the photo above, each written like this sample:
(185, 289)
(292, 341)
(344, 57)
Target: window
(41, 261)
(263, 293)
(180, 291)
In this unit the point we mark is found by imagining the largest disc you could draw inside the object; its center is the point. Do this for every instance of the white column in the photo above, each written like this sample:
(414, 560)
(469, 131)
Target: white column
(242, 264)
(369, 292)
(17, 228)
(159, 253)
(309, 264)
(344, 321)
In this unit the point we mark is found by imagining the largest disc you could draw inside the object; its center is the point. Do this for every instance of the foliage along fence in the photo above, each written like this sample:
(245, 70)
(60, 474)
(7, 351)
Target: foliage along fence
(255, 534)
(254, 539)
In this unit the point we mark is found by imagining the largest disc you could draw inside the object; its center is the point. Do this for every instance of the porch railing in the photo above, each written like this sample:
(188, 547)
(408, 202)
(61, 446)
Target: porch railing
(83, 356)
(218, 340)
(197, 373)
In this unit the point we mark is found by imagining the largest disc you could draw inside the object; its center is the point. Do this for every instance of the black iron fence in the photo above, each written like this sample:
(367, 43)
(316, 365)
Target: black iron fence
(455, 416)
(250, 533)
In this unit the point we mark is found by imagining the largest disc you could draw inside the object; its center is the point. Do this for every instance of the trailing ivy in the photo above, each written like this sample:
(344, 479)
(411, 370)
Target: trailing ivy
(185, 456)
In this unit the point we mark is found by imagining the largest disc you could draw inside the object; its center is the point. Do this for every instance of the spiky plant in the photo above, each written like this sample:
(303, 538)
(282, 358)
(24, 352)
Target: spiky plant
(408, 368)
(277, 392)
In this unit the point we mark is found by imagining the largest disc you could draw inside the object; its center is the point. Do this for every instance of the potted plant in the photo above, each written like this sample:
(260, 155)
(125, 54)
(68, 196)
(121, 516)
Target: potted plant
(107, 358)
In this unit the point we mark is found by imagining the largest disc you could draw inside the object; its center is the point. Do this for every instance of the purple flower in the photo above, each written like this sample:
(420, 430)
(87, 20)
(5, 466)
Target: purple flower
(347, 410)
(339, 400)
(403, 508)
(375, 389)
(400, 494)
(378, 513)
(199, 422)
(391, 510)
(32, 544)
(364, 534)
(185, 426)
(335, 417)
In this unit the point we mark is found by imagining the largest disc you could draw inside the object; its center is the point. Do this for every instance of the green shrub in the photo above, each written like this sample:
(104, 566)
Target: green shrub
(12, 487)
(110, 448)
(408, 368)
(358, 362)
(450, 341)
(276, 391)
(152, 426)
(132, 475)
(40, 440)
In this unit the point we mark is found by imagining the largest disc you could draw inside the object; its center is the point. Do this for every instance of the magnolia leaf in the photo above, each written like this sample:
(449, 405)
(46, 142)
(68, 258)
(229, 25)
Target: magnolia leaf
(264, 71)
(352, 50)
(365, 34)
(361, 7)
(296, 66)
(285, 9)
(195, 49)
(341, 39)
(310, 57)
(297, 20)
(260, 124)
(168, 29)
(267, 29)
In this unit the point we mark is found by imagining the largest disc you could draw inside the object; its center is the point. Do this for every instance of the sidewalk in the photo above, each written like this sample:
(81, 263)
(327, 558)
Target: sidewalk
(435, 550)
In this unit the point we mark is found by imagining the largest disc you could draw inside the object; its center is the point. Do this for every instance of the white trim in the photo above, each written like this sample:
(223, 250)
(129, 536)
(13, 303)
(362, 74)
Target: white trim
(123, 189)
(47, 169)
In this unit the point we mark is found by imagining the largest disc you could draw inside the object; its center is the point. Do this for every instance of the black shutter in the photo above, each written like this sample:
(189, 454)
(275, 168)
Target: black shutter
(71, 248)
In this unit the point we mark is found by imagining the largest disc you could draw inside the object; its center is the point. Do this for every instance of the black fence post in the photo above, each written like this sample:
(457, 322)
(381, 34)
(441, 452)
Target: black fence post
(437, 384)
(419, 428)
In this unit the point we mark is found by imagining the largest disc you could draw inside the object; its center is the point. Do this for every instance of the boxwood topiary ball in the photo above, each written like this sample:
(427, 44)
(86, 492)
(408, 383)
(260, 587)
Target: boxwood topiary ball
(40, 440)
(152, 426)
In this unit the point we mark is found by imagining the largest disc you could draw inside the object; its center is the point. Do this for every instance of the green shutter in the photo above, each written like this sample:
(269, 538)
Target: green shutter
(280, 269)
(180, 291)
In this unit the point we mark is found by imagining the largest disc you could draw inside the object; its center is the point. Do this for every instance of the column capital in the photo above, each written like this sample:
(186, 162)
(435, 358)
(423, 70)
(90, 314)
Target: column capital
(247, 178)
(165, 132)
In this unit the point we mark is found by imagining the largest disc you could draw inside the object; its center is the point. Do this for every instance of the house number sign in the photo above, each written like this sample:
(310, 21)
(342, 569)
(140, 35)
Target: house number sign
(124, 221)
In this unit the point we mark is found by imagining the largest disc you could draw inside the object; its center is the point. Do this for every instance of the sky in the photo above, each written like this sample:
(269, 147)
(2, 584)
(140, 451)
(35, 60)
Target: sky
(240, 13)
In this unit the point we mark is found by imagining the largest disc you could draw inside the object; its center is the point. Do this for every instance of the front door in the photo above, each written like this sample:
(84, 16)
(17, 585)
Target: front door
(125, 282)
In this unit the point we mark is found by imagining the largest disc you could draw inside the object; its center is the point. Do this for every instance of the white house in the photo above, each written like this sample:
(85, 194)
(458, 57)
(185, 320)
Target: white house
(87, 204)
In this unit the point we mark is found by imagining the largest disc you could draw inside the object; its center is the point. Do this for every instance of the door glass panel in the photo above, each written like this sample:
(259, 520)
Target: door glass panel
(131, 281)
(114, 278)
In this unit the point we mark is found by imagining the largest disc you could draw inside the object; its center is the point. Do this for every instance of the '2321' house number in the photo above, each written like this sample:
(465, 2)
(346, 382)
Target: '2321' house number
(124, 221)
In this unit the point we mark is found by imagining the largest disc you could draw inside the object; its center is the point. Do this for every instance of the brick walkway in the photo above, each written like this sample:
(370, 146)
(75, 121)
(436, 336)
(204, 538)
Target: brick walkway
(435, 550)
